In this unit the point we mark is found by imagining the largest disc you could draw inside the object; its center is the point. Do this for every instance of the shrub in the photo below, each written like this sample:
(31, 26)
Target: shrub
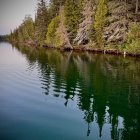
(133, 39)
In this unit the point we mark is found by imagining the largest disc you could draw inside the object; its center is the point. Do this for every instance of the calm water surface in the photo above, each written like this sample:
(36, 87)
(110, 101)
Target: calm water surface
(52, 95)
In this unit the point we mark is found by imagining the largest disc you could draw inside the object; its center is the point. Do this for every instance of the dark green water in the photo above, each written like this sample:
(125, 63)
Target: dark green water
(52, 95)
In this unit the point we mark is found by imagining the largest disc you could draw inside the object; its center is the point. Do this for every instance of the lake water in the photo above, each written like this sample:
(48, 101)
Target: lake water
(53, 95)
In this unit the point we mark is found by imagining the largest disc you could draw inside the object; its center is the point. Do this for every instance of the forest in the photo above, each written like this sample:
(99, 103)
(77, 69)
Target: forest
(90, 24)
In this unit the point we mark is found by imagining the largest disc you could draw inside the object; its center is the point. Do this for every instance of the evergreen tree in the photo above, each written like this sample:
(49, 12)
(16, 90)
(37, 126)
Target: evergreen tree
(62, 31)
(84, 30)
(27, 28)
(55, 7)
(82, 22)
(41, 22)
(73, 14)
(100, 21)
(21, 37)
(51, 37)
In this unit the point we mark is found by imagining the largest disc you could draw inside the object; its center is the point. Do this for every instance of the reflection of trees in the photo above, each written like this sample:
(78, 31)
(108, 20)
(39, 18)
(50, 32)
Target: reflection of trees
(98, 82)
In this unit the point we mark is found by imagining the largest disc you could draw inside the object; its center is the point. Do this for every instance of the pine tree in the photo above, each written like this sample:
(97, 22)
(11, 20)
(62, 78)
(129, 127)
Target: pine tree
(73, 14)
(21, 36)
(83, 33)
(100, 21)
(41, 22)
(27, 28)
(61, 32)
(55, 7)
(51, 37)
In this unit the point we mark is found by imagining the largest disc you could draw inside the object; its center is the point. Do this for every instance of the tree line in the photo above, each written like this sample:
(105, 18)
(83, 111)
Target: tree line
(113, 24)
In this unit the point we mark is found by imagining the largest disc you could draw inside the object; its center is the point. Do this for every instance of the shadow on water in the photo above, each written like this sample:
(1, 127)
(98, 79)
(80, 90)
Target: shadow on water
(106, 88)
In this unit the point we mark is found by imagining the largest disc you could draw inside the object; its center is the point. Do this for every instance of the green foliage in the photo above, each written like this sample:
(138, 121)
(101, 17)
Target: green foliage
(134, 33)
(25, 32)
(21, 36)
(55, 7)
(72, 11)
(41, 22)
(28, 27)
(133, 39)
(57, 28)
(100, 21)
(52, 38)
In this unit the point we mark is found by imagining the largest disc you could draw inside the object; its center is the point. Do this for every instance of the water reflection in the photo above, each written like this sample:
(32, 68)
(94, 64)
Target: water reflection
(106, 88)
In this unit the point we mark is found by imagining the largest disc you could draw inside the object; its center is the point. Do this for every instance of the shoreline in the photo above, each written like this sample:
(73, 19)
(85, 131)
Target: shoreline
(85, 49)
(96, 51)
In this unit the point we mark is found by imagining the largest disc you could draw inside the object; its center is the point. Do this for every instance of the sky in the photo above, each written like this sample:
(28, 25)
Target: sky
(12, 13)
